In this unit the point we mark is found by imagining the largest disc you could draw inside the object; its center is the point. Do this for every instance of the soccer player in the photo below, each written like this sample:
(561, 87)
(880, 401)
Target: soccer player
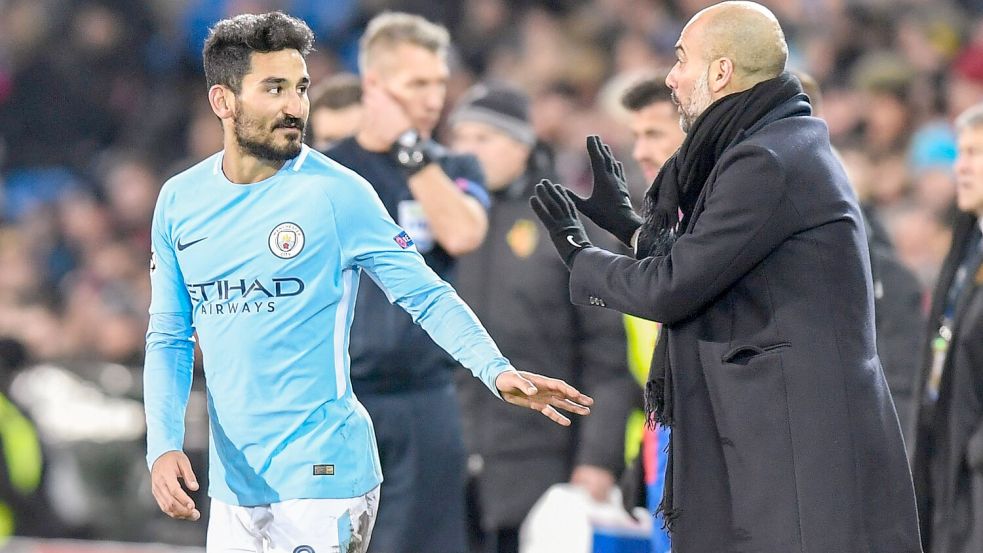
(258, 249)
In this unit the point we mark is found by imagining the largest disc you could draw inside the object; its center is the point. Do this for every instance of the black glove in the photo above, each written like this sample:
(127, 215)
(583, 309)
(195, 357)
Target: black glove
(413, 153)
(555, 209)
(609, 204)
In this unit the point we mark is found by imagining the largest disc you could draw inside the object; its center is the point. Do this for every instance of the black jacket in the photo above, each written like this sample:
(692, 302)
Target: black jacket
(948, 457)
(518, 288)
(389, 352)
(785, 437)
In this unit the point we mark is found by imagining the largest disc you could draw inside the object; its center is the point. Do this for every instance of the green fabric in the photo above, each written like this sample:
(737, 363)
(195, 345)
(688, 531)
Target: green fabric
(6, 523)
(21, 448)
(641, 335)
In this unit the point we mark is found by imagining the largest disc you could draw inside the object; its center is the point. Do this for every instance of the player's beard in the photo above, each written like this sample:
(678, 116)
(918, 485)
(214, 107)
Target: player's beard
(699, 100)
(258, 141)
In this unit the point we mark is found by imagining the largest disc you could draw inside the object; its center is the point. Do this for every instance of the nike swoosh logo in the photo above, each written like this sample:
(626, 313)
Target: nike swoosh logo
(181, 247)
(569, 239)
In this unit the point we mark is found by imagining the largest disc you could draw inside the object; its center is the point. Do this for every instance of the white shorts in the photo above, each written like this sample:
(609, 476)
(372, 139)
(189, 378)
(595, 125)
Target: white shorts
(293, 526)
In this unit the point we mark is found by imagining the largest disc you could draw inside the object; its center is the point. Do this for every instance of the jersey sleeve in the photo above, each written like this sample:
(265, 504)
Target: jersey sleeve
(168, 294)
(169, 360)
(467, 175)
(371, 241)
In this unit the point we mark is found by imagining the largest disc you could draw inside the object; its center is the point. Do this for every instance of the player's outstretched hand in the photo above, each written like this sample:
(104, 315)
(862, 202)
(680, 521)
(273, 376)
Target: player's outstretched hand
(168, 469)
(543, 394)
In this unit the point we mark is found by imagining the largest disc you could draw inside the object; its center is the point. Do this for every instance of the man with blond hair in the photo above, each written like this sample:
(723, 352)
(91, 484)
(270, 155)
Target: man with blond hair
(751, 251)
(403, 379)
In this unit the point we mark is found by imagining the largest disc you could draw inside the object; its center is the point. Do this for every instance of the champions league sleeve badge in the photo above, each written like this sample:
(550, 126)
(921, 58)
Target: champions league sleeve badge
(286, 240)
(403, 240)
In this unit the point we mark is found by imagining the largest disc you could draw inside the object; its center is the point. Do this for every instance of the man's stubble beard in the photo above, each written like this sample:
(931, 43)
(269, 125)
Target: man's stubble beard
(699, 101)
(250, 138)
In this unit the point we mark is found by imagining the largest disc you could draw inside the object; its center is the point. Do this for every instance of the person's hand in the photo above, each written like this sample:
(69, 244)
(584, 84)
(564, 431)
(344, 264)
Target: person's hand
(385, 117)
(168, 469)
(543, 394)
(555, 209)
(596, 480)
(609, 204)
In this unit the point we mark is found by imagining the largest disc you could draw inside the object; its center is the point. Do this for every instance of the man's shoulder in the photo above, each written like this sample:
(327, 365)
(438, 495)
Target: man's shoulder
(332, 177)
(205, 168)
(190, 179)
(345, 150)
(791, 136)
(319, 164)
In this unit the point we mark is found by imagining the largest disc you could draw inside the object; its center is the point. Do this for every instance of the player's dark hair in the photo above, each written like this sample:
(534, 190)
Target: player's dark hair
(232, 41)
(646, 92)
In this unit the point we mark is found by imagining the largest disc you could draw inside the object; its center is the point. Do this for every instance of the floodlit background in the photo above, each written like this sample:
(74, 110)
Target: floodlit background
(102, 100)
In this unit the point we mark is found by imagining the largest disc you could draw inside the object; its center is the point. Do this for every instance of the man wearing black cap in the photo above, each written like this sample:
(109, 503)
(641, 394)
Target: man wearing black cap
(518, 288)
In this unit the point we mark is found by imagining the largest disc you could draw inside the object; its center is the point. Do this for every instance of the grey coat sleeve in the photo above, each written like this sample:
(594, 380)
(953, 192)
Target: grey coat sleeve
(747, 214)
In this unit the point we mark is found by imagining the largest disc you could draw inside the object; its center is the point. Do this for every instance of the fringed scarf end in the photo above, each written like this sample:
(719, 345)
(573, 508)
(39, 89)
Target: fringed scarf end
(668, 516)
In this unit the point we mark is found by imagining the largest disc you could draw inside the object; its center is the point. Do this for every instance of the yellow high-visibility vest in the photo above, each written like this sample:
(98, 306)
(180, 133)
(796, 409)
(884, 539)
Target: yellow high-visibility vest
(642, 335)
(22, 453)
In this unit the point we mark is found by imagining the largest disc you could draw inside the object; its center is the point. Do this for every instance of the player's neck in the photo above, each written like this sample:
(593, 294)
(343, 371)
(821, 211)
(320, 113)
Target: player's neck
(242, 168)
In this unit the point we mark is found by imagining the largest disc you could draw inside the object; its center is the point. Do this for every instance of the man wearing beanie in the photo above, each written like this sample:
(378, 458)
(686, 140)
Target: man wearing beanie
(518, 287)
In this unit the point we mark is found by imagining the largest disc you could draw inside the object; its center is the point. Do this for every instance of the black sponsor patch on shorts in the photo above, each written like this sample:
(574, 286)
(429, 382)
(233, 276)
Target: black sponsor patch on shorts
(323, 470)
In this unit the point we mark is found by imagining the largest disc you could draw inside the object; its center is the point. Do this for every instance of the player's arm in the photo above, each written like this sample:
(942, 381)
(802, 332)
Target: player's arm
(456, 218)
(371, 241)
(167, 377)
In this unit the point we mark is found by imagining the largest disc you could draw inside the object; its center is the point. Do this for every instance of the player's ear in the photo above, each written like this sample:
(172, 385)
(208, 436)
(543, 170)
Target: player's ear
(222, 100)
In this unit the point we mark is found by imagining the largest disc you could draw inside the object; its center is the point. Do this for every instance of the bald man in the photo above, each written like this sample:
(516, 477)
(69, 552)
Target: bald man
(752, 253)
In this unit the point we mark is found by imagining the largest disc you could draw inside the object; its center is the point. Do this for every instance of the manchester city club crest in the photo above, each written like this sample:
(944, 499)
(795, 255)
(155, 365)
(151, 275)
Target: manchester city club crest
(286, 240)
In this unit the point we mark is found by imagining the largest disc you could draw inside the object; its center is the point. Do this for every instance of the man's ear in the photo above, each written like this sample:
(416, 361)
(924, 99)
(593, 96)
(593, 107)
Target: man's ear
(222, 100)
(370, 79)
(721, 74)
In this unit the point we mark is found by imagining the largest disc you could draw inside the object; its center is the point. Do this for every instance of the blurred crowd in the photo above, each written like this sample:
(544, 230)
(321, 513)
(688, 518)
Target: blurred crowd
(102, 100)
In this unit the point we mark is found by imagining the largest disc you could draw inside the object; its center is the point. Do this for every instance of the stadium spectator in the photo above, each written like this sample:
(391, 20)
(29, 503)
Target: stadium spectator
(948, 455)
(336, 110)
(23, 505)
(517, 288)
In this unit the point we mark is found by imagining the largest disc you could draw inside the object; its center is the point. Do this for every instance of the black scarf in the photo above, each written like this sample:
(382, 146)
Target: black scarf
(677, 189)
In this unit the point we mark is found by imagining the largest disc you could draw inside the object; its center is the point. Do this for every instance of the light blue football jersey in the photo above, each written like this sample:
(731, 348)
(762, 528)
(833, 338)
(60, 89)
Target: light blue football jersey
(267, 275)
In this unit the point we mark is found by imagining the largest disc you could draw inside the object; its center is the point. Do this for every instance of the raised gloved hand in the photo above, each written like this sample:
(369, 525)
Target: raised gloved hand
(555, 209)
(609, 205)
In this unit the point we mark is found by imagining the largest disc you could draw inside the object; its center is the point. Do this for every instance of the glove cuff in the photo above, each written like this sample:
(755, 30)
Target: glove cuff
(412, 153)
(627, 227)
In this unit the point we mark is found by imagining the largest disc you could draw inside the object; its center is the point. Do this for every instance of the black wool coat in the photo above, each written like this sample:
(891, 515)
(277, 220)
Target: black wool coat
(785, 435)
(948, 451)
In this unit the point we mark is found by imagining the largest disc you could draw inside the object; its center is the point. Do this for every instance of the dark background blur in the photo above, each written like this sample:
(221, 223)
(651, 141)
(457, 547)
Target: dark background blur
(102, 100)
